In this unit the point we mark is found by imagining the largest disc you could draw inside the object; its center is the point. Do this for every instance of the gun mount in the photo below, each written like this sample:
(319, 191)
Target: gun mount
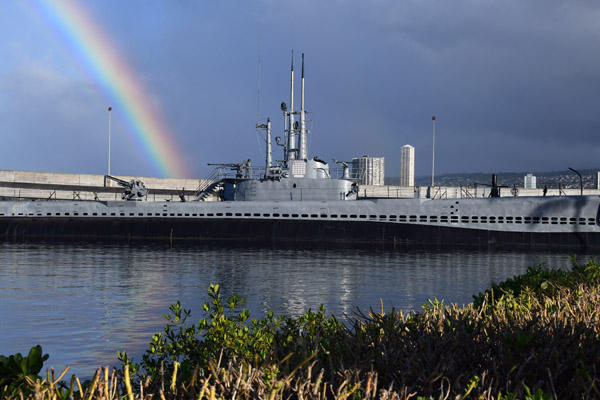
(242, 170)
(344, 164)
(133, 190)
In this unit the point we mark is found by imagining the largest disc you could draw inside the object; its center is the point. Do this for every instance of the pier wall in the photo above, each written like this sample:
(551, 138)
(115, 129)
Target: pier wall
(32, 184)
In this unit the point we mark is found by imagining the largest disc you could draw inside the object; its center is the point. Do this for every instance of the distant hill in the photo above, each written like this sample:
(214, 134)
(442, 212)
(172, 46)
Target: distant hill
(554, 179)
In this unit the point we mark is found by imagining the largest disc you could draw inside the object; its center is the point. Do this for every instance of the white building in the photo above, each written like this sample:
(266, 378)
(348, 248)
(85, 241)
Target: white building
(407, 165)
(369, 170)
(529, 181)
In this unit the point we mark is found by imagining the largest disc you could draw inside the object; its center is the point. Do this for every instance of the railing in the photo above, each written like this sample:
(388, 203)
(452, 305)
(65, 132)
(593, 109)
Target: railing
(387, 192)
(223, 172)
(216, 175)
(439, 194)
(465, 193)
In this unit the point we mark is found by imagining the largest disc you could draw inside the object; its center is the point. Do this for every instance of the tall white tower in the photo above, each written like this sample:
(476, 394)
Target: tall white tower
(407, 165)
(529, 181)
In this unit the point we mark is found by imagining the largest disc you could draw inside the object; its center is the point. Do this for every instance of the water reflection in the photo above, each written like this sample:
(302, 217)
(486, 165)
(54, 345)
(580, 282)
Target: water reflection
(83, 302)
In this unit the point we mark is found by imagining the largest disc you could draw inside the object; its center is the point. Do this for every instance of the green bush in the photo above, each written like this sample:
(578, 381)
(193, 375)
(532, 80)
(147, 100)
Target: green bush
(225, 333)
(538, 281)
(228, 333)
(18, 372)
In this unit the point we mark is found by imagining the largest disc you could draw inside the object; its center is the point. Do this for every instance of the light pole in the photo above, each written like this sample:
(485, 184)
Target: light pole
(433, 154)
(580, 179)
(109, 110)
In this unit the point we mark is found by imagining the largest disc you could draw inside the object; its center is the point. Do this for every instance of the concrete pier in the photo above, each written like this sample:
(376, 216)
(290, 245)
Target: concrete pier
(46, 185)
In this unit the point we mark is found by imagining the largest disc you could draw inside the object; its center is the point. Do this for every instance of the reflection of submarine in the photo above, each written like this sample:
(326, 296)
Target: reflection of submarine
(297, 200)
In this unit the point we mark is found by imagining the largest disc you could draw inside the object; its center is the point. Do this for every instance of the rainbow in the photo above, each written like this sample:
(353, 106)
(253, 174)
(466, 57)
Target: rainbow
(110, 68)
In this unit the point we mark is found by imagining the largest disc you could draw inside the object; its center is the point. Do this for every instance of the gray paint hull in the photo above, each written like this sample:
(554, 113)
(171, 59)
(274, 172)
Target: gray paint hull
(536, 222)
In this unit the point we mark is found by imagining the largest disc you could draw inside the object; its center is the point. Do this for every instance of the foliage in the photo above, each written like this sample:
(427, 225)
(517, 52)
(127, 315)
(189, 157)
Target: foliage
(16, 371)
(310, 333)
(538, 281)
(225, 333)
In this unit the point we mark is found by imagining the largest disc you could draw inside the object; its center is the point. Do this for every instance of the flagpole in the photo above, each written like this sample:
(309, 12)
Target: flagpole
(109, 110)
(433, 153)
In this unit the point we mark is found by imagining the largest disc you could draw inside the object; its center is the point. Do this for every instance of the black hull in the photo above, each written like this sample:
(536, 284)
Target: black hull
(281, 231)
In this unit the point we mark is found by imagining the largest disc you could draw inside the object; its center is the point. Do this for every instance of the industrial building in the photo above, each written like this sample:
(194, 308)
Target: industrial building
(407, 165)
(369, 170)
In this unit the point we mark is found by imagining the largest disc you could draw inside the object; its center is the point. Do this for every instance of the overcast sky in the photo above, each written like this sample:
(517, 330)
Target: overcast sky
(515, 85)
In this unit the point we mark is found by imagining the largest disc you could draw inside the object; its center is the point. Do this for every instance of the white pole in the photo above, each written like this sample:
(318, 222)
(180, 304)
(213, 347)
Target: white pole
(292, 133)
(433, 154)
(109, 110)
(302, 151)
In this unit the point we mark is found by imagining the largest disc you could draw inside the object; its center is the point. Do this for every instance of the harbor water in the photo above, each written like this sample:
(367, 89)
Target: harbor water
(83, 302)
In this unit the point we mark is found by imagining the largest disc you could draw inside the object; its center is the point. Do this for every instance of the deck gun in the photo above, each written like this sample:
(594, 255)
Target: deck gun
(242, 170)
(344, 164)
(133, 190)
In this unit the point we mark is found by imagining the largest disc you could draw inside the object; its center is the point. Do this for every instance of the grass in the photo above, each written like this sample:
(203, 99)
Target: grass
(534, 336)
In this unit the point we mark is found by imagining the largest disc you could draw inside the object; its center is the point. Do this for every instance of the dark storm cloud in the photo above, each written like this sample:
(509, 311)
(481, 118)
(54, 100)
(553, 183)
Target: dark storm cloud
(514, 84)
(529, 66)
(518, 79)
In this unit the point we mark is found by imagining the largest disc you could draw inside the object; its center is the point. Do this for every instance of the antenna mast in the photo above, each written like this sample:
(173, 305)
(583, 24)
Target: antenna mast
(302, 152)
(258, 94)
(267, 126)
(292, 129)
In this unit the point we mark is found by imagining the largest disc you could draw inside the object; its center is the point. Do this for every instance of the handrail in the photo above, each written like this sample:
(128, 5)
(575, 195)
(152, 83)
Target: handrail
(215, 175)
(466, 192)
(441, 194)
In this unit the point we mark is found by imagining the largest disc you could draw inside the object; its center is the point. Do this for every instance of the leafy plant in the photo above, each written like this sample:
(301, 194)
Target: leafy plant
(17, 372)
(538, 281)
(226, 332)
(537, 395)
